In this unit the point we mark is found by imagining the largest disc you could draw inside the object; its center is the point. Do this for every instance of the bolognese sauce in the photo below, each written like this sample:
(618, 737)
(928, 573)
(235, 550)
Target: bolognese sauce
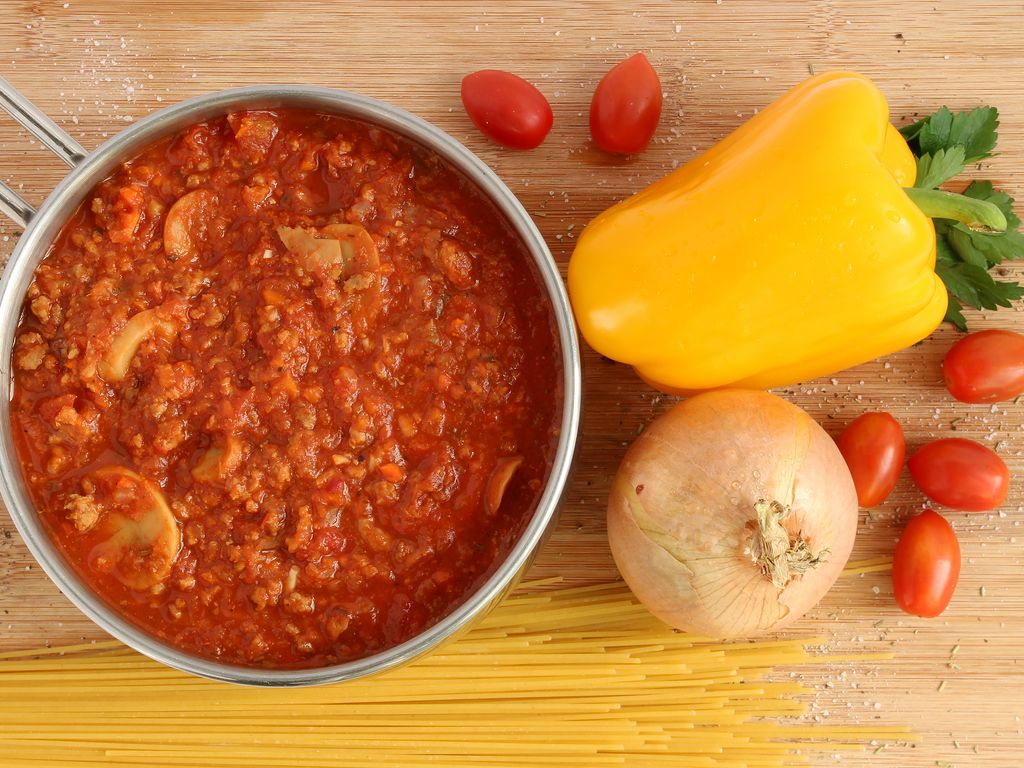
(286, 389)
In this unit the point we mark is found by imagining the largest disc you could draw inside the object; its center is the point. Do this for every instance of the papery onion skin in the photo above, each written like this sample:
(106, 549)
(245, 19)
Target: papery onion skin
(681, 514)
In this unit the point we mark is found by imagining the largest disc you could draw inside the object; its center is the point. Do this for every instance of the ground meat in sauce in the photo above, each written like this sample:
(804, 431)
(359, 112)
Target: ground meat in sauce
(286, 389)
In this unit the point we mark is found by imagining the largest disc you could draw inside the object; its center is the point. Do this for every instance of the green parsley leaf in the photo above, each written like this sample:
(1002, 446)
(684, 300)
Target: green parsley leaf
(912, 131)
(958, 244)
(935, 132)
(1003, 294)
(975, 131)
(933, 170)
(944, 143)
(974, 286)
(983, 248)
(955, 315)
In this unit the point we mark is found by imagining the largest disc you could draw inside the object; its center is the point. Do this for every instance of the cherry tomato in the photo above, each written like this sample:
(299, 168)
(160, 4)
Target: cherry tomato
(507, 108)
(961, 474)
(626, 106)
(985, 367)
(874, 449)
(926, 565)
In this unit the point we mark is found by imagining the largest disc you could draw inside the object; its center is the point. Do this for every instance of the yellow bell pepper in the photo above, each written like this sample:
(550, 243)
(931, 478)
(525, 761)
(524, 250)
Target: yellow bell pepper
(787, 251)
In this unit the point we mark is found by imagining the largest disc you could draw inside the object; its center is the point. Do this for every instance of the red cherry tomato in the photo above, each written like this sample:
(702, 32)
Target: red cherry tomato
(926, 565)
(507, 108)
(626, 107)
(874, 449)
(961, 474)
(985, 367)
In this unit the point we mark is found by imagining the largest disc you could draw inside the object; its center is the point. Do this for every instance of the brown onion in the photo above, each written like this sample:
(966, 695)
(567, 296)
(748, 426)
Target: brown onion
(732, 514)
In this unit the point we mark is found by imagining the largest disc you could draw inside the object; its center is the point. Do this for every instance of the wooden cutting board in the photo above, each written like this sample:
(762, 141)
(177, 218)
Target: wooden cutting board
(95, 67)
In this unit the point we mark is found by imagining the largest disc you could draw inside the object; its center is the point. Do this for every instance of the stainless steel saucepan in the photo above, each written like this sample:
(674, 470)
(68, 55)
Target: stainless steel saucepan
(41, 227)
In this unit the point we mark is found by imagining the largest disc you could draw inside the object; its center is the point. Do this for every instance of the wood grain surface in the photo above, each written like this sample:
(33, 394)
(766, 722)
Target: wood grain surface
(97, 66)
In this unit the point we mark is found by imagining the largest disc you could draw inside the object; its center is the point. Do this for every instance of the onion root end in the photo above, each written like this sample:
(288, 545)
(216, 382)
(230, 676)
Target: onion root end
(771, 548)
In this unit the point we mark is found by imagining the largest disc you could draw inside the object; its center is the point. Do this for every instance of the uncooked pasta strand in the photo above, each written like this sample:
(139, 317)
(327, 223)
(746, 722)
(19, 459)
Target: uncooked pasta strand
(560, 677)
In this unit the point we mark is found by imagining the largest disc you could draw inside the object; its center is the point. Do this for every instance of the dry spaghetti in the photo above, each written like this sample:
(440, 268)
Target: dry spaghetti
(567, 677)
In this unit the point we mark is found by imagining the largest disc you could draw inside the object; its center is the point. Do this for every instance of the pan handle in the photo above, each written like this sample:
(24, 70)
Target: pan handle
(15, 207)
(36, 122)
(51, 135)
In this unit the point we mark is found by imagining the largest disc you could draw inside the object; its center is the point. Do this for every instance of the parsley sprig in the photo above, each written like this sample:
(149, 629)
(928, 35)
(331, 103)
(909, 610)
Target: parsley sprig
(975, 231)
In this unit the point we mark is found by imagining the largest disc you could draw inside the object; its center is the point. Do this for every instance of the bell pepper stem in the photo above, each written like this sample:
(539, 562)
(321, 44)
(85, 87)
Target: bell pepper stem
(979, 215)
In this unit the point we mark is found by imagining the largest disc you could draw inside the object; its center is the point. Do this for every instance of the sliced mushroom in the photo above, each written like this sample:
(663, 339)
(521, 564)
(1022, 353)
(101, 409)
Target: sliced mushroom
(312, 250)
(340, 249)
(498, 482)
(218, 461)
(208, 468)
(114, 365)
(139, 536)
(186, 222)
(356, 244)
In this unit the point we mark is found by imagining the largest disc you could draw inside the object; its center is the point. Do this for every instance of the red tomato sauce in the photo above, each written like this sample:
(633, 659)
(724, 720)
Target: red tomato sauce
(286, 389)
